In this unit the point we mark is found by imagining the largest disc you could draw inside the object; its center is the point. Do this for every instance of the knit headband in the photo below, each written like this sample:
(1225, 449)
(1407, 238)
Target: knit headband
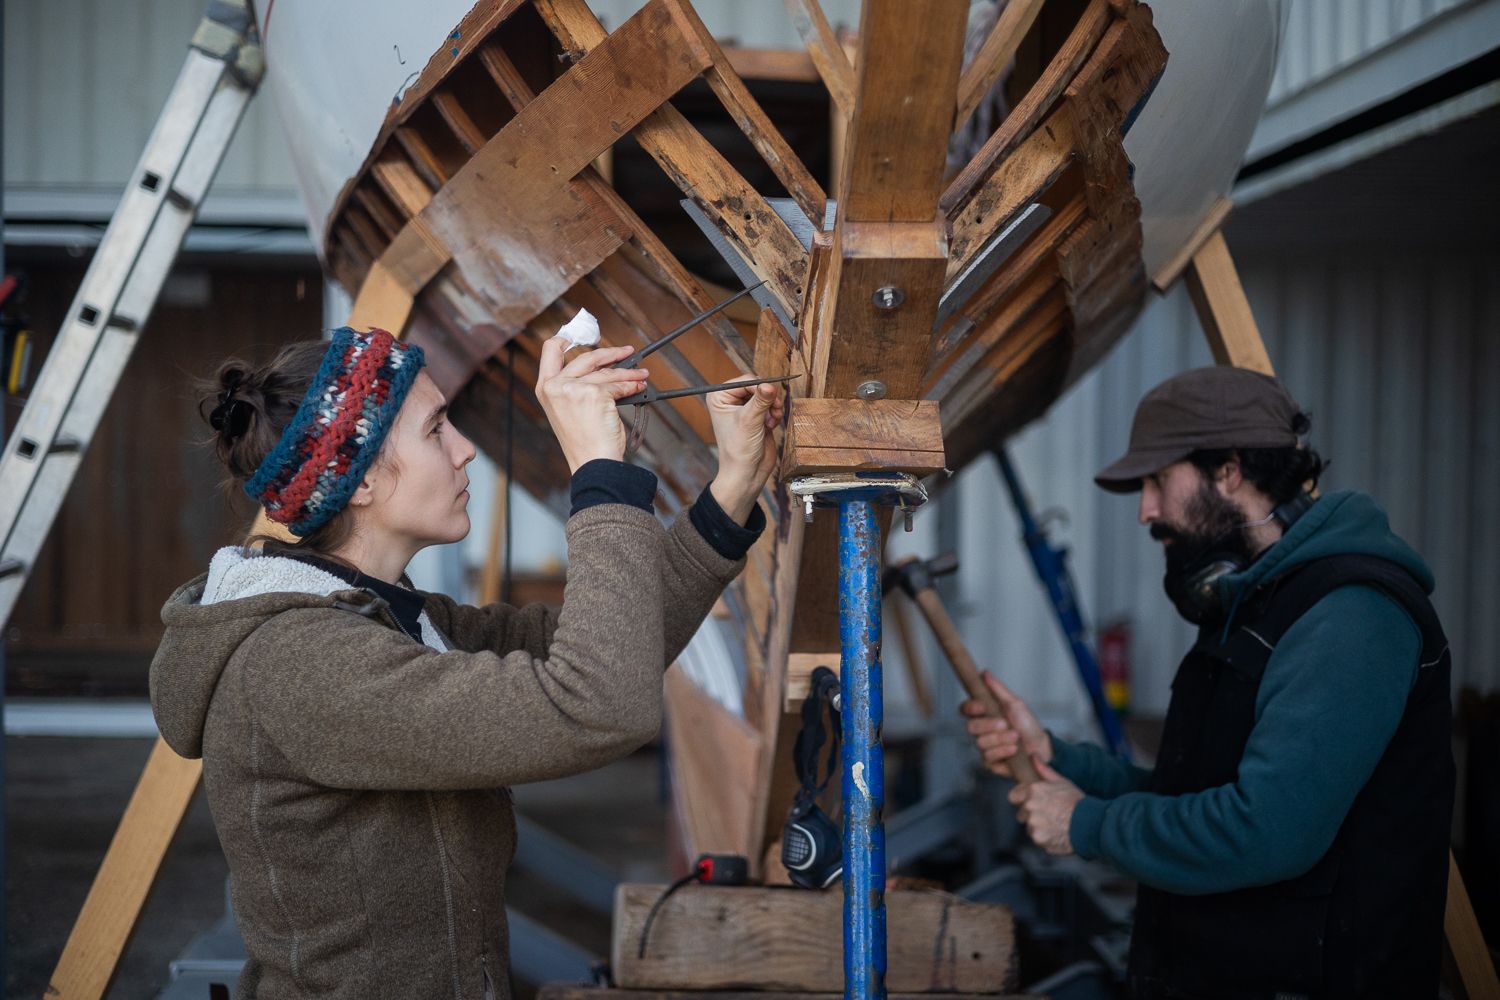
(337, 431)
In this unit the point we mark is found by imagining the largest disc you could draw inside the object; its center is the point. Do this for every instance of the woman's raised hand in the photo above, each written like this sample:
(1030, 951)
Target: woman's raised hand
(743, 418)
(579, 400)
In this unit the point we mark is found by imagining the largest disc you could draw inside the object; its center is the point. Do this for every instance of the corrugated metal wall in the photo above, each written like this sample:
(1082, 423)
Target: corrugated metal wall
(1324, 36)
(84, 83)
(1395, 355)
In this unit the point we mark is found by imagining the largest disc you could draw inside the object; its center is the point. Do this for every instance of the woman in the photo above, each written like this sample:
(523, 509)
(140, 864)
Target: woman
(357, 735)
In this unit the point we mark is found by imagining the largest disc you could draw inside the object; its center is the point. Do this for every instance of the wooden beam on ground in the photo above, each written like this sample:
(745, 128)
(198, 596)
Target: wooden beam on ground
(711, 937)
(827, 54)
(994, 56)
(93, 950)
(903, 435)
(783, 65)
(1223, 309)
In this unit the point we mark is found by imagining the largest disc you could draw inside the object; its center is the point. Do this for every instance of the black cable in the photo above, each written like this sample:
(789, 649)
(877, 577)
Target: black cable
(691, 876)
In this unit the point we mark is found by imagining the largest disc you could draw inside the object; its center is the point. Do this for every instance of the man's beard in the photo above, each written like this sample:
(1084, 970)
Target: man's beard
(1214, 526)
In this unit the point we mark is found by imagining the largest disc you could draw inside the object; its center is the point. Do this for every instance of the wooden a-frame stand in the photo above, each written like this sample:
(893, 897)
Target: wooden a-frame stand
(167, 784)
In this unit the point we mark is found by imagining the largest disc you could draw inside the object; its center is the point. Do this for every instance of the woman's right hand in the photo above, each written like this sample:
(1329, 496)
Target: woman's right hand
(579, 400)
(1000, 737)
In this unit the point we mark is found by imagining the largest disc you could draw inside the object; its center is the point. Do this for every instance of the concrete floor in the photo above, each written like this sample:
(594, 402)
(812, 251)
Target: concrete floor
(64, 797)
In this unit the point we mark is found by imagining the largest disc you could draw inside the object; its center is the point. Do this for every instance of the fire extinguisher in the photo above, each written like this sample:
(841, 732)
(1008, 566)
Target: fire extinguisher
(1114, 665)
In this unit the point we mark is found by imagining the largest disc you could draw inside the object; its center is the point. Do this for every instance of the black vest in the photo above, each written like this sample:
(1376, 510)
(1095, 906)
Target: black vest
(1367, 919)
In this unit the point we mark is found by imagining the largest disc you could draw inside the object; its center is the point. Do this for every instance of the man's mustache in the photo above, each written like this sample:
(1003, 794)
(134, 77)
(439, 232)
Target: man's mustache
(1165, 533)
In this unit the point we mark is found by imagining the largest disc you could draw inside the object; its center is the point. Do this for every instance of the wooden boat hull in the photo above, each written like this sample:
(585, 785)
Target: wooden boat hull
(478, 219)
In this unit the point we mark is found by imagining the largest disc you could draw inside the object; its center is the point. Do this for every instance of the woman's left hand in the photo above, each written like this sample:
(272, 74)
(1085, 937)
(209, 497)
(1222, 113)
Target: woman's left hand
(743, 418)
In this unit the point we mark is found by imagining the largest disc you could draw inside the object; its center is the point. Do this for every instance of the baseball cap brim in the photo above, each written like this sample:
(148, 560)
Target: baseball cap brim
(1124, 474)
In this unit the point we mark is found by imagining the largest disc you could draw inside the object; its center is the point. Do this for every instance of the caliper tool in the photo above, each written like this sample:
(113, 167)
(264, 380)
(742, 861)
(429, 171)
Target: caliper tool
(652, 395)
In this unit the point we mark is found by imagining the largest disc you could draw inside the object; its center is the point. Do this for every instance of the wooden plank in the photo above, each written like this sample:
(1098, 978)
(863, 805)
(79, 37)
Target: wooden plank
(383, 302)
(1212, 222)
(867, 341)
(1223, 308)
(1024, 117)
(994, 56)
(1016, 183)
(509, 79)
(781, 65)
(464, 130)
(840, 434)
(753, 123)
(909, 59)
(713, 769)
(401, 183)
(521, 233)
(699, 170)
(799, 671)
(92, 952)
(376, 207)
(426, 162)
(827, 54)
(711, 937)
(1475, 966)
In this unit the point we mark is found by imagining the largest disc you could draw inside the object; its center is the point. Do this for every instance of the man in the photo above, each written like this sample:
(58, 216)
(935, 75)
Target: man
(1292, 839)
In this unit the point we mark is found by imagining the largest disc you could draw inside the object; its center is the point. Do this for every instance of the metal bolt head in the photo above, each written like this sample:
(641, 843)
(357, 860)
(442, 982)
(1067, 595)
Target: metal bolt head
(888, 297)
(906, 518)
(871, 390)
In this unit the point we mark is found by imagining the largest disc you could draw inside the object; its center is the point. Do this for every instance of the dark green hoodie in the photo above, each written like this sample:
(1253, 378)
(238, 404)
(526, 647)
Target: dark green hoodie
(1332, 695)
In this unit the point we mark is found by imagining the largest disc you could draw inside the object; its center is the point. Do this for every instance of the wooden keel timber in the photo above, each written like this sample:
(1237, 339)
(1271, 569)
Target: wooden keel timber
(840, 434)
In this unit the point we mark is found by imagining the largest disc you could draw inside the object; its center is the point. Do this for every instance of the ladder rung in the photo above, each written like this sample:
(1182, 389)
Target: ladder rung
(10, 567)
(179, 200)
(122, 322)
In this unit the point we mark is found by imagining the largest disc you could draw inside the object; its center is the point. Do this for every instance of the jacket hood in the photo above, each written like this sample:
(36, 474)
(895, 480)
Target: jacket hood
(208, 618)
(1339, 523)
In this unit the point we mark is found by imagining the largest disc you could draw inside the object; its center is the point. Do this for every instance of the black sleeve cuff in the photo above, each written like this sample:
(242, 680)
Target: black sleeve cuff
(604, 480)
(719, 530)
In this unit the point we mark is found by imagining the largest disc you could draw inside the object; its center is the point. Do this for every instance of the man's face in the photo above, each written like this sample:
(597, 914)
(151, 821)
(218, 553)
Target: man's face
(1189, 515)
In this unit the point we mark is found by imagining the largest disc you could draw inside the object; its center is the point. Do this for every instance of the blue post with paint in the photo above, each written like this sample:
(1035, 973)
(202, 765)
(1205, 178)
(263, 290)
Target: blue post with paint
(1051, 565)
(862, 714)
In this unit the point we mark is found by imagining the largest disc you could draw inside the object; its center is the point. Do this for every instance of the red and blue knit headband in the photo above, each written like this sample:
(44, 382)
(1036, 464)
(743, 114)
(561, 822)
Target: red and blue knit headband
(336, 433)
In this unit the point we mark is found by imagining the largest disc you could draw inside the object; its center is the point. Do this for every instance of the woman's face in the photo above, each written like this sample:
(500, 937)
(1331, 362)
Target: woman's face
(417, 491)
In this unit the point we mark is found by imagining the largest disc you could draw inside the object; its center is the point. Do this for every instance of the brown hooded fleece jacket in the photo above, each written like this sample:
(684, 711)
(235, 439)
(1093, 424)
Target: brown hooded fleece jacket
(357, 778)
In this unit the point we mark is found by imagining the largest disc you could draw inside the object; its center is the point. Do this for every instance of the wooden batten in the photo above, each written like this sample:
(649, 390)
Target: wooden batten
(713, 938)
(896, 435)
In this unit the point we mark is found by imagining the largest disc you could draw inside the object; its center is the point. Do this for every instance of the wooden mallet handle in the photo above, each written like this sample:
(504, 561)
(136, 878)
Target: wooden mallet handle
(963, 664)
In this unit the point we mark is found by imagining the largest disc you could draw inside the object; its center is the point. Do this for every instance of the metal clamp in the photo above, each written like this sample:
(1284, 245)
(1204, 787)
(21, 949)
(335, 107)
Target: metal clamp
(894, 489)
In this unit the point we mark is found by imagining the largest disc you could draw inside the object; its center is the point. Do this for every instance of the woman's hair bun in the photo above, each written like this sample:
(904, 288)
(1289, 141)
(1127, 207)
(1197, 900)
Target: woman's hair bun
(247, 405)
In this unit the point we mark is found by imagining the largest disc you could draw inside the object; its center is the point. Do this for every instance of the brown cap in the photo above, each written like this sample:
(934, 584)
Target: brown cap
(1217, 407)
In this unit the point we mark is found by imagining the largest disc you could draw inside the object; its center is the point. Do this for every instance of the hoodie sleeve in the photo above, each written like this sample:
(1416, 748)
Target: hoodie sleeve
(355, 705)
(1332, 695)
(694, 574)
(1095, 770)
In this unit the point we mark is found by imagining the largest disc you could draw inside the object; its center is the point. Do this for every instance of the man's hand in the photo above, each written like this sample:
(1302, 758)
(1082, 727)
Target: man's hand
(579, 400)
(1001, 737)
(1046, 808)
(743, 419)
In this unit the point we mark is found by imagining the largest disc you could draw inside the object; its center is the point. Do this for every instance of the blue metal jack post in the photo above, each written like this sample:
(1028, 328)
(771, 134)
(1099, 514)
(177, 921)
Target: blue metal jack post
(862, 708)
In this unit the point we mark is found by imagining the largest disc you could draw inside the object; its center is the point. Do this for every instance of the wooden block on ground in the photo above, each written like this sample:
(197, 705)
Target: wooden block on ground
(710, 937)
(902, 435)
